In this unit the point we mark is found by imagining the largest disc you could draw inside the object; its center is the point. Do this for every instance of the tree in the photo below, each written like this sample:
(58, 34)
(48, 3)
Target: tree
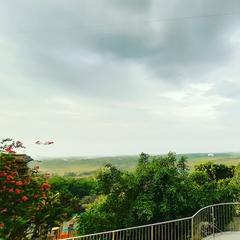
(154, 192)
(73, 192)
(161, 188)
(216, 171)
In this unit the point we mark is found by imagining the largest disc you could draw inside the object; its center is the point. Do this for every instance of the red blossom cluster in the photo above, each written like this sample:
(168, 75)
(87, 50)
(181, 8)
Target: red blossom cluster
(12, 183)
(22, 190)
(9, 146)
(9, 149)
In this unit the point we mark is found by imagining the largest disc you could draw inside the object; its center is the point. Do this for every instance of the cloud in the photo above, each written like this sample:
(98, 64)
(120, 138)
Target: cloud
(172, 51)
(111, 71)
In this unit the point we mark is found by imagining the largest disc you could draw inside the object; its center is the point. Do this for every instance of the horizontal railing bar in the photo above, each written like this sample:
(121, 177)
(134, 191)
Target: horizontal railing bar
(130, 228)
(153, 224)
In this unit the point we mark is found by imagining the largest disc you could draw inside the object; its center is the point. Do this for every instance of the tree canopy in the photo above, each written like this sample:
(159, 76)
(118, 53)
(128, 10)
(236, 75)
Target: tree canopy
(161, 188)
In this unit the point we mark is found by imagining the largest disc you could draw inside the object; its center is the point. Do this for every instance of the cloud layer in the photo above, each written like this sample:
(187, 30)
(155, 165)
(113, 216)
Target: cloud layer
(121, 77)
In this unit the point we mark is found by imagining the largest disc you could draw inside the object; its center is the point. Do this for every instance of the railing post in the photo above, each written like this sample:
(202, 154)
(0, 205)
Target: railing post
(113, 235)
(152, 232)
(213, 221)
(192, 229)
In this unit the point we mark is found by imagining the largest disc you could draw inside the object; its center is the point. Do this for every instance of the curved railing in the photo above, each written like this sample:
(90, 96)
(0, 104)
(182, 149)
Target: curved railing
(207, 223)
(215, 220)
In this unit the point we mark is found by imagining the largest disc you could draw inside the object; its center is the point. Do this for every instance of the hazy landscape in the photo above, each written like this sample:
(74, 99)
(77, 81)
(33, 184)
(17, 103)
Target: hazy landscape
(83, 166)
(119, 115)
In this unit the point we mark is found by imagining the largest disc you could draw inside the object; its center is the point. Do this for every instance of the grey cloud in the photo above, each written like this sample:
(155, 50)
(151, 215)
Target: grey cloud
(173, 52)
(42, 41)
(134, 5)
(189, 47)
(105, 79)
(114, 60)
(228, 89)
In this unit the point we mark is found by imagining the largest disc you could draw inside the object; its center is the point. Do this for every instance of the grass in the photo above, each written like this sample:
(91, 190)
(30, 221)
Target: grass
(87, 166)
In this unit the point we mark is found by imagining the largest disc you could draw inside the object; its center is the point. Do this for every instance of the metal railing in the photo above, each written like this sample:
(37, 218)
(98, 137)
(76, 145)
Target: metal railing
(207, 222)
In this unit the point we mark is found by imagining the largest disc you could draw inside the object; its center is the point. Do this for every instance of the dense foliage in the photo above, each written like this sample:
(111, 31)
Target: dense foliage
(161, 188)
(73, 192)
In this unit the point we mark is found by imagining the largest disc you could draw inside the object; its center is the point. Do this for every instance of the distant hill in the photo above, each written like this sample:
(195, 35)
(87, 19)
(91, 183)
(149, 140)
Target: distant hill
(85, 166)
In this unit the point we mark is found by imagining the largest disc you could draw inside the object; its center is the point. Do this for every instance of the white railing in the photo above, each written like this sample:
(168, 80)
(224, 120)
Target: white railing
(207, 222)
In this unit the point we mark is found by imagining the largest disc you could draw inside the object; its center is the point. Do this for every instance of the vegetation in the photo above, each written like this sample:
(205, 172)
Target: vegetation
(27, 205)
(158, 188)
(73, 193)
(161, 188)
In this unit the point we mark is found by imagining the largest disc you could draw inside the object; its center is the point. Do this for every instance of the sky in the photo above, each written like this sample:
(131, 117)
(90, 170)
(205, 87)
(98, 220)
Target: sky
(120, 77)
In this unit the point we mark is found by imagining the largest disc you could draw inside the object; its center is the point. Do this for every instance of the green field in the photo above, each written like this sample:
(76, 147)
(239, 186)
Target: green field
(87, 166)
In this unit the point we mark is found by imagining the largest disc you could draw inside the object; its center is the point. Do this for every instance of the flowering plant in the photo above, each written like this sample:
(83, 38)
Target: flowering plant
(25, 195)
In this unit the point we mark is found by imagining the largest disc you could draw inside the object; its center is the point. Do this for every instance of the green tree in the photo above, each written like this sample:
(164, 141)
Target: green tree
(161, 188)
(152, 193)
(72, 192)
(216, 171)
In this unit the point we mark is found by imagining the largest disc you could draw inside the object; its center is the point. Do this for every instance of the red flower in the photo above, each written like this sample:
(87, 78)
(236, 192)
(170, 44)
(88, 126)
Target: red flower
(9, 177)
(3, 174)
(19, 183)
(2, 225)
(25, 198)
(4, 188)
(18, 191)
(45, 186)
(9, 149)
(35, 196)
(11, 190)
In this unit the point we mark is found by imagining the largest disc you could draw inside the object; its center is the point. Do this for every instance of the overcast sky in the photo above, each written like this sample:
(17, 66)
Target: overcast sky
(121, 76)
